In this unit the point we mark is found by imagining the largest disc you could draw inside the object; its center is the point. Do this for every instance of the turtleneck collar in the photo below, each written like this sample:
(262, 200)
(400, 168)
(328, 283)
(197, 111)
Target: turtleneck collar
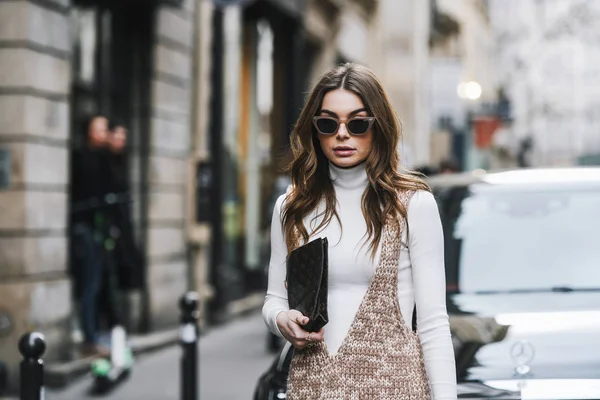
(349, 178)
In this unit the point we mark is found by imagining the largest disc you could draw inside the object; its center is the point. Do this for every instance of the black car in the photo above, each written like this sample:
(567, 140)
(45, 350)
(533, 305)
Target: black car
(272, 384)
(523, 284)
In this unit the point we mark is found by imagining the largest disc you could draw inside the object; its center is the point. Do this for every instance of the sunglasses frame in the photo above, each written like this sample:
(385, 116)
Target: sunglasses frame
(316, 118)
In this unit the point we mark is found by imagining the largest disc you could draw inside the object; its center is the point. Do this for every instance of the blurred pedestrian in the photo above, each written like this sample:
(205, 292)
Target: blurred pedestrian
(89, 167)
(448, 166)
(426, 170)
(525, 152)
(123, 271)
(118, 158)
(386, 252)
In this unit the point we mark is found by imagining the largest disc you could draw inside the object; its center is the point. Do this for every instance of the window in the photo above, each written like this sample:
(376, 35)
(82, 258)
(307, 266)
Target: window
(503, 239)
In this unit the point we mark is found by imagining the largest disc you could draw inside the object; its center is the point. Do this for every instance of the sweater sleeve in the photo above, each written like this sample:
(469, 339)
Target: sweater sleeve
(426, 249)
(276, 297)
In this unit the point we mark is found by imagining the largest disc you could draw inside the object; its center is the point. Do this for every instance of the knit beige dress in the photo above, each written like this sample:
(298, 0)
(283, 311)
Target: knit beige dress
(380, 358)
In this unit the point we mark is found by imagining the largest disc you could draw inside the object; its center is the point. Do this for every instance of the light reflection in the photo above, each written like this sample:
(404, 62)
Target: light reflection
(578, 321)
(544, 176)
(542, 389)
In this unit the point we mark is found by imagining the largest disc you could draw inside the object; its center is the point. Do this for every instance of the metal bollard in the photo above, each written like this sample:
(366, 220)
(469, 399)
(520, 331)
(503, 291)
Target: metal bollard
(32, 347)
(188, 304)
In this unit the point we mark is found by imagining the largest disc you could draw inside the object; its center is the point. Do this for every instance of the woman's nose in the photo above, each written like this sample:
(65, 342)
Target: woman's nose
(342, 131)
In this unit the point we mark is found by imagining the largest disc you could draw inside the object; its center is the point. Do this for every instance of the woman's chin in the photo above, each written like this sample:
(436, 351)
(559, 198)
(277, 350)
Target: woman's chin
(346, 162)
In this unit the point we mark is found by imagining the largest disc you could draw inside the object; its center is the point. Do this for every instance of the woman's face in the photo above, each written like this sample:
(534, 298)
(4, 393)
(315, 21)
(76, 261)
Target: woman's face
(118, 139)
(98, 131)
(343, 148)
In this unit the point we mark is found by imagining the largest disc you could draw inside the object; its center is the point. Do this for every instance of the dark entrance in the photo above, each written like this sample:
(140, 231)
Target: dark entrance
(230, 276)
(111, 69)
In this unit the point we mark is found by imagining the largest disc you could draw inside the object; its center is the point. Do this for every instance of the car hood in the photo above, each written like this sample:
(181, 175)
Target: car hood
(526, 336)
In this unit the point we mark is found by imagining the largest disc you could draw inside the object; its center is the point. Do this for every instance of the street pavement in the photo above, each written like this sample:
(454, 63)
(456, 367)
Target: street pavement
(232, 357)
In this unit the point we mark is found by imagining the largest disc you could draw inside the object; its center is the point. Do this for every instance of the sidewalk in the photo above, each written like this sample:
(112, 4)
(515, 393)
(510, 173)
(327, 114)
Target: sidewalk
(60, 375)
(232, 357)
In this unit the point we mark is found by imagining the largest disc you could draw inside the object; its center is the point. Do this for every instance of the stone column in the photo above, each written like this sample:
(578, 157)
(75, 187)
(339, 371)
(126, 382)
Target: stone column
(170, 141)
(34, 117)
(200, 234)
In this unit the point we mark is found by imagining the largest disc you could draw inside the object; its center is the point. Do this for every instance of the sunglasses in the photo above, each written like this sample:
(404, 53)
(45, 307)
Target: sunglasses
(356, 126)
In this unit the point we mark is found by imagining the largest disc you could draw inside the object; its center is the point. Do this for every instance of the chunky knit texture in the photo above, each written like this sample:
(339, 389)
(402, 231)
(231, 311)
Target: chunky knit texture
(380, 358)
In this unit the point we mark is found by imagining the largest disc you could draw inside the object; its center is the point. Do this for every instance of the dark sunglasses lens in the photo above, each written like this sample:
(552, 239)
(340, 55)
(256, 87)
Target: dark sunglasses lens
(327, 126)
(358, 126)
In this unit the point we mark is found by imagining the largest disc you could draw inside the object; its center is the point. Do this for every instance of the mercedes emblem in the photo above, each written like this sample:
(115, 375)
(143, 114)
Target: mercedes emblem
(522, 353)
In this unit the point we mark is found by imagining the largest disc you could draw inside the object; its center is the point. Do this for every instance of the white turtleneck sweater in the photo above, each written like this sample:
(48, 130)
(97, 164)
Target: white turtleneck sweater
(421, 277)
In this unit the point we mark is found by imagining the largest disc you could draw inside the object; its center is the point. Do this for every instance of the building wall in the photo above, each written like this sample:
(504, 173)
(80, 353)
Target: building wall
(244, 125)
(445, 77)
(400, 59)
(34, 130)
(168, 163)
(352, 39)
(463, 56)
(199, 234)
(321, 24)
(35, 85)
(476, 44)
(547, 52)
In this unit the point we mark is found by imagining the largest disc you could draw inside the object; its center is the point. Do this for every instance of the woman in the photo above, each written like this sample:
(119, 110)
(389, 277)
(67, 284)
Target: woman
(385, 253)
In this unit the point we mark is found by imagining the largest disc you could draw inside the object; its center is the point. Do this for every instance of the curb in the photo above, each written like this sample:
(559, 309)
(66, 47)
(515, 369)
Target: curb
(61, 374)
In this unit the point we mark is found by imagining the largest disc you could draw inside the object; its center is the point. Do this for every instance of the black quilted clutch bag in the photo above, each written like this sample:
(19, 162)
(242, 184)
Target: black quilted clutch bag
(306, 282)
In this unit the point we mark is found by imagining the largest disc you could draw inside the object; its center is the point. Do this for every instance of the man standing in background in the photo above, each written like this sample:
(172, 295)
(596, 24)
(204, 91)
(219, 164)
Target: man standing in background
(89, 168)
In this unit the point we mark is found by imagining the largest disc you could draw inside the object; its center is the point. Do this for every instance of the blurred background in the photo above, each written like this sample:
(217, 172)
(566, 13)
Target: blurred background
(206, 93)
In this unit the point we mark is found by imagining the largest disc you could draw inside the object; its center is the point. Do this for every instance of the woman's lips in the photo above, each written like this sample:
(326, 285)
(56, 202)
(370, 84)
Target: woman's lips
(344, 151)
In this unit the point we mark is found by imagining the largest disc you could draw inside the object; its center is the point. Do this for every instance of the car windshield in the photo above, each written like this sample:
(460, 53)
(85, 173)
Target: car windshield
(501, 238)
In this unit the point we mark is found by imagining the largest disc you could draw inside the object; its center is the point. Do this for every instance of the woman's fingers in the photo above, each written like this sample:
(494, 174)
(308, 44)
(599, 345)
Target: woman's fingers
(297, 332)
(303, 338)
(317, 336)
(293, 331)
(297, 317)
(301, 341)
(289, 323)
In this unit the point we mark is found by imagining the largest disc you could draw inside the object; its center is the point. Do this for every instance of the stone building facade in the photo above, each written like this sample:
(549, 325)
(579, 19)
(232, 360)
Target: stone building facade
(547, 56)
(271, 53)
(142, 71)
(208, 141)
(303, 39)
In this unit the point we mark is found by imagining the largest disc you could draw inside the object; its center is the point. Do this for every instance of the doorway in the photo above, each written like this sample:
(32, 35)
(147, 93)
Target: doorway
(111, 70)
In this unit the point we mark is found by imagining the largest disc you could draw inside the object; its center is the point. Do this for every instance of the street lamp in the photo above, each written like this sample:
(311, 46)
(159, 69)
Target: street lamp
(469, 90)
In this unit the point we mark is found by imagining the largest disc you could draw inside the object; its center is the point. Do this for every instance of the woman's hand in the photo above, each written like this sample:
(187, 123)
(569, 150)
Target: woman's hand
(290, 324)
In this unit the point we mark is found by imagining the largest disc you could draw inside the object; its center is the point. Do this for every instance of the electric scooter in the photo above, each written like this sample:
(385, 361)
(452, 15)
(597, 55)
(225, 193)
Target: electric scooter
(108, 372)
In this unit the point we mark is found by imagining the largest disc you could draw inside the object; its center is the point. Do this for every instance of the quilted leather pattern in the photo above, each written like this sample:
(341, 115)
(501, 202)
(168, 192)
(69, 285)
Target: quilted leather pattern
(307, 273)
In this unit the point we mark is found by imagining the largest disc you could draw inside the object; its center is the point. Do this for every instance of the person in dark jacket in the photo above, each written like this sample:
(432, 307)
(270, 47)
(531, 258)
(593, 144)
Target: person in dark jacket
(117, 146)
(127, 257)
(89, 182)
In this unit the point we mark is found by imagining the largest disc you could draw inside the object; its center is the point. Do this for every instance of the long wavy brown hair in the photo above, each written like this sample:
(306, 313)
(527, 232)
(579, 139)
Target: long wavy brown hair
(309, 168)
